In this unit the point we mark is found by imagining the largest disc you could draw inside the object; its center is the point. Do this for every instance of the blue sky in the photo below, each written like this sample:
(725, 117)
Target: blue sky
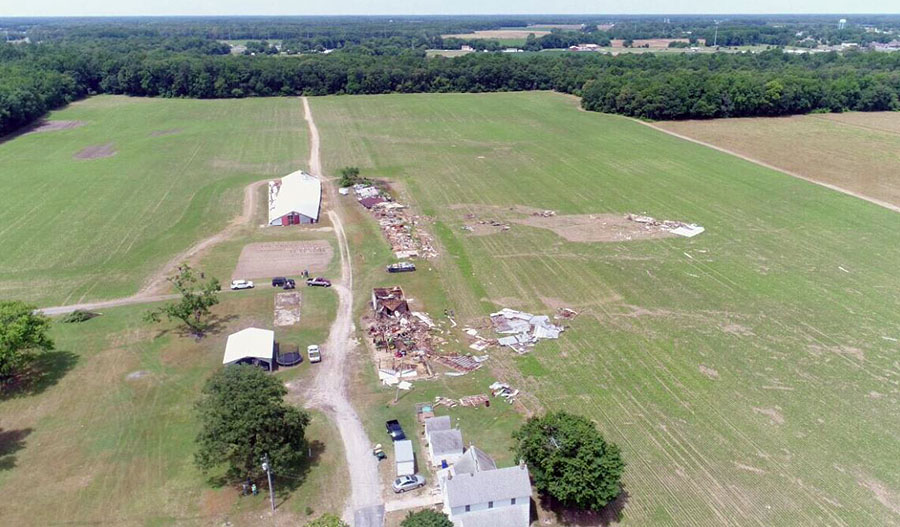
(423, 7)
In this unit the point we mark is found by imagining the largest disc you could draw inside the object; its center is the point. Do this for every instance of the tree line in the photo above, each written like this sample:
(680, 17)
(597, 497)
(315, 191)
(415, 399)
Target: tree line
(38, 77)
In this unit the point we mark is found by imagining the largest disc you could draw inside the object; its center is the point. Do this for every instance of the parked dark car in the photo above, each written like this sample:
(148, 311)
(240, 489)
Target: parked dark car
(279, 281)
(318, 282)
(401, 267)
(289, 284)
(395, 430)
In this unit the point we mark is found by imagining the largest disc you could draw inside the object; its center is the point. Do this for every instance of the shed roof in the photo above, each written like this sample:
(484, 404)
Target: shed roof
(488, 485)
(250, 343)
(433, 424)
(403, 451)
(299, 192)
(446, 442)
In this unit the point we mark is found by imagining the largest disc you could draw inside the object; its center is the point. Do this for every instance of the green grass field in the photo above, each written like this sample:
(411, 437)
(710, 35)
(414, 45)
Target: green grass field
(87, 229)
(749, 373)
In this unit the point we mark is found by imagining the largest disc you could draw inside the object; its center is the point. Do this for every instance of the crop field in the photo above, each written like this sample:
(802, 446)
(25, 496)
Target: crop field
(749, 373)
(856, 151)
(91, 210)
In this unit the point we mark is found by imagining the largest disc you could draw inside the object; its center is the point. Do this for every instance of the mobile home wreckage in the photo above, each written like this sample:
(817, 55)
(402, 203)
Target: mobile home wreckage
(523, 330)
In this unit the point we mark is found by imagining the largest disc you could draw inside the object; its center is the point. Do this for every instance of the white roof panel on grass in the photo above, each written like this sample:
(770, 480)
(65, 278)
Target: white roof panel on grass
(300, 193)
(250, 343)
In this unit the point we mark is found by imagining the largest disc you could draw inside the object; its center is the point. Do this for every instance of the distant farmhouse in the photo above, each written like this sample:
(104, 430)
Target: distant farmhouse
(295, 200)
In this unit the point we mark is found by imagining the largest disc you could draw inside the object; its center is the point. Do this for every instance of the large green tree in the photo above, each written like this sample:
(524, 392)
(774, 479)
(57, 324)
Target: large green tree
(243, 417)
(426, 518)
(198, 294)
(22, 333)
(570, 460)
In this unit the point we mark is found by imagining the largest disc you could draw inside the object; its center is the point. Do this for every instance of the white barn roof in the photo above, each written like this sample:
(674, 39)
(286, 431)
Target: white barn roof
(300, 193)
(250, 343)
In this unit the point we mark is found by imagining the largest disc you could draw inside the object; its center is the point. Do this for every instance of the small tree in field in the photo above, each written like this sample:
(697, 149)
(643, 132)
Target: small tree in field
(22, 332)
(349, 176)
(197, 296)
(327, 520)
(570, 460)
(243, 417)
(426, 518)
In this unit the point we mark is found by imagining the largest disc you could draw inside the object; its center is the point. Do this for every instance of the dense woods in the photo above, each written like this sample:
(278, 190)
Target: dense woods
(187, 60)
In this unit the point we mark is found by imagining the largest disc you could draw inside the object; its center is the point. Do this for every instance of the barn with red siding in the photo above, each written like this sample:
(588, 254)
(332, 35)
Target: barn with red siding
(295, 200)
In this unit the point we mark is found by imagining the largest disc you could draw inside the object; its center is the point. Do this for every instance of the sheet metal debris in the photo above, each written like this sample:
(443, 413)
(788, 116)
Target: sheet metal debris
(524, 329)
(688, 230)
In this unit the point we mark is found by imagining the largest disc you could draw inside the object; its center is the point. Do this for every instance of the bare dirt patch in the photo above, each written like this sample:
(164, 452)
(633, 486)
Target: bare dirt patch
(737, 329)
(266, 259)
(287, 308)
(96, 152)
(53, 126)
(772, 413)
(886, 496)
(709, 372)
(162, 133)
(588, 228)
(748, 468)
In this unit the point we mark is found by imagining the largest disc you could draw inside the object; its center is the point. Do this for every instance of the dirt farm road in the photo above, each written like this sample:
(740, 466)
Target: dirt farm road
(328, 391)
(878, 202)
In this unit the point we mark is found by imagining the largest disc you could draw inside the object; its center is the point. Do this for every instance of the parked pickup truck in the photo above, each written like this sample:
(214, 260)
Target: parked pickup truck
(318, 282)
(395, 430)
(401, 267)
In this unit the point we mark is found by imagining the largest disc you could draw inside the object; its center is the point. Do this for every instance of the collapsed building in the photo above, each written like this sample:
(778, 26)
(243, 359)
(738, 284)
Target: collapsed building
(400, 228)
(523, 329)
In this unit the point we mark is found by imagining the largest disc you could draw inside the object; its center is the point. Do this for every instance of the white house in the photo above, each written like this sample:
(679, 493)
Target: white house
(250, 346)
(295, 200)
(445, 444)
(404, 457)
(478, 494)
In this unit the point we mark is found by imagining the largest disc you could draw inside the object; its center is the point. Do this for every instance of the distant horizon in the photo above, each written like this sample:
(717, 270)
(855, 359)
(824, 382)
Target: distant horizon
(294, 8)
(427, 15)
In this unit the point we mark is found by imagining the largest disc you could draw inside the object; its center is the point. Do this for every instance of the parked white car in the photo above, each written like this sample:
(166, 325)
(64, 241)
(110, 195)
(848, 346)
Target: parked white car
(312, 351)
(241, 284)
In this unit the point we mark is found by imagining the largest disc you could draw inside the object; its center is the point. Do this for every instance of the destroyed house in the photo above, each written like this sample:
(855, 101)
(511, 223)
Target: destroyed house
(388, 301)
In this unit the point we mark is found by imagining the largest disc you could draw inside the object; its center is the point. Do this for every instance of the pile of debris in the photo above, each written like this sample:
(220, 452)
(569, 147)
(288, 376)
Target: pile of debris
(461, 363)
(688, 230)
(524, 329)
(396, 328)
(399, 227)
(499, 389)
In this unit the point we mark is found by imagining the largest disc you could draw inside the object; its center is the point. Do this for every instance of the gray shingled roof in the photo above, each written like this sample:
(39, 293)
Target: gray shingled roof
(473, 461)
(507, 516)
(488, 485)
(446, 442)
(437, 423)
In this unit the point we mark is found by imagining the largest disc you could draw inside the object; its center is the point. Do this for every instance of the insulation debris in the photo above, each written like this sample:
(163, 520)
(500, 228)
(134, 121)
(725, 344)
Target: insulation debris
(499, 389)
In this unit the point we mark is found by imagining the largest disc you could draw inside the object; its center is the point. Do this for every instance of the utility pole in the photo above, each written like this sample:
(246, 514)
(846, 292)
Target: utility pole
(267, 467)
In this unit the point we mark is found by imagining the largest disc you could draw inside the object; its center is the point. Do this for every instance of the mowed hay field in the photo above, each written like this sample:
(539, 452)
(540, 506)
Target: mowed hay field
(856, 151)
(750, 374)
(86, 229)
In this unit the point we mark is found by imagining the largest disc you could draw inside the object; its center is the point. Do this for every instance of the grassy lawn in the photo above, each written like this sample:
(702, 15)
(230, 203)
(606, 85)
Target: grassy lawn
(856, 151)
(107, 437)
(87, 229)
(748, 373)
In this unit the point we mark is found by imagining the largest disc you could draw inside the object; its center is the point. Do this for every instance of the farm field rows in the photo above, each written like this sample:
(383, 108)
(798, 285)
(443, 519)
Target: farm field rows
(748, 373)
(856, 151)
(97, 228)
